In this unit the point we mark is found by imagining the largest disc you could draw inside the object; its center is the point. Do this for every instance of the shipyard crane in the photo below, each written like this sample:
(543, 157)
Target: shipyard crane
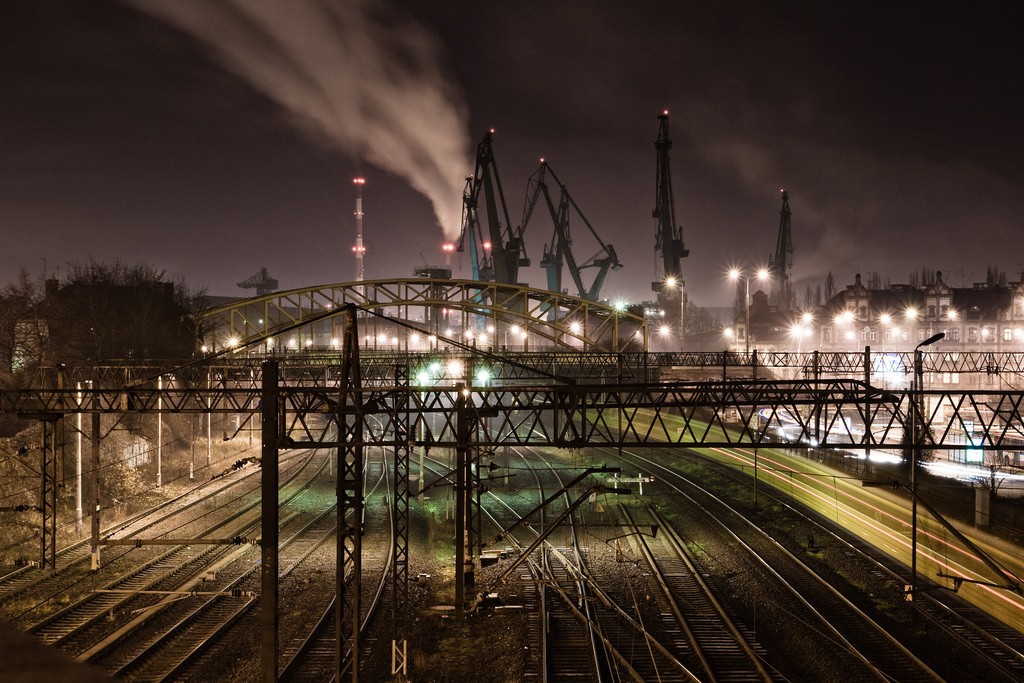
(780, 266)
(261, 281)
(559, 251)
(498, 254)
(668, 237)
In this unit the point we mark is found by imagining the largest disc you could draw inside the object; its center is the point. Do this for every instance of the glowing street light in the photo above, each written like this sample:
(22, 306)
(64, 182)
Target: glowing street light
(735, 274)
(915, 435)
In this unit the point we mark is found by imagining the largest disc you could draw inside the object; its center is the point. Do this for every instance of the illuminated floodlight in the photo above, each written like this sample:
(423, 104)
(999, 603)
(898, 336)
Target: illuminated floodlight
(665, 330)
(885, 319)
(204, 348)
(483, 338)
(575, 327)
(844, 317)
(233, 342)
(807, 318)
(911, 314)
(455, 368)
(671, 282)
(729, 333)
(414, 337)
(309, 343)
(434, 368)
(292, 344)
(483, 375)
(422, 377)
(335, 342)
(619, 306)
(432, 339)
(952, 315)
(490, 329)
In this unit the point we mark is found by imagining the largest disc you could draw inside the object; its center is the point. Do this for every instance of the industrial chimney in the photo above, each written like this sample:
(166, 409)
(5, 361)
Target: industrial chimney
(359, 249)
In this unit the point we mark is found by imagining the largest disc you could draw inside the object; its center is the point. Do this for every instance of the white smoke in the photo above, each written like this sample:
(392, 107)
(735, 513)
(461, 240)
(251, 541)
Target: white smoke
(354, 71)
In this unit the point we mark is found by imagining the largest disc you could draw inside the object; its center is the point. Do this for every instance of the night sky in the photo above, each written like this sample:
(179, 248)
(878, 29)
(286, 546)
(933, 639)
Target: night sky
(212, 139)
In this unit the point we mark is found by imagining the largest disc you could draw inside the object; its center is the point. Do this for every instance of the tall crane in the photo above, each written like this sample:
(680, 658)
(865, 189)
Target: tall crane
(668, 237)
(780, 266)
(559, 251)
(499, 254)
(261, 282)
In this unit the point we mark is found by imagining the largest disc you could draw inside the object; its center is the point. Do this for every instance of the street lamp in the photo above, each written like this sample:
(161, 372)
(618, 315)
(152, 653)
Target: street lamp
(915, 450)
(735, 274)
(672, 283)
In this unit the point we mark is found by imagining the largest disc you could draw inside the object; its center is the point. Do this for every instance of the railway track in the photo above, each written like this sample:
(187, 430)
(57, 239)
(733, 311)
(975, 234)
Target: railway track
(975, 630)
(860, 643)
(198, 625)
(710, 642)
(311, 656)
(87, 621)
(74, 559)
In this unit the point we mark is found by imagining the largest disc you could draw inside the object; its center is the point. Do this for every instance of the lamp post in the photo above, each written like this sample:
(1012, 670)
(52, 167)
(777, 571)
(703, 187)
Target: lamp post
(671, 283)
(735, 274)
(915, 450)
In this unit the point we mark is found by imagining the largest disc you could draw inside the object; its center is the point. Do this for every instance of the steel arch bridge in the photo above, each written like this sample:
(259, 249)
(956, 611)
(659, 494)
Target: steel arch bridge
(422, 314)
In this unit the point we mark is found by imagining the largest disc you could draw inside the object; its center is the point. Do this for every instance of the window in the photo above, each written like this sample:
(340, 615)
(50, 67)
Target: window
(1007, 334)
(954, 334)
(972, 334)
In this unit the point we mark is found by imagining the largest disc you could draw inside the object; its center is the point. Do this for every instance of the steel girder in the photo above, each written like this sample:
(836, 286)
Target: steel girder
(300, 319)
(844, 414)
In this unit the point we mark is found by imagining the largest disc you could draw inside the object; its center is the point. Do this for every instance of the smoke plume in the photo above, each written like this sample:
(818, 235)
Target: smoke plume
(354, 71)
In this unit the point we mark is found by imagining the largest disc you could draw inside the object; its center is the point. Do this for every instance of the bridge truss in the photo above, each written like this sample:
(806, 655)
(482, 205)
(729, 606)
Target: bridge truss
(421, 314)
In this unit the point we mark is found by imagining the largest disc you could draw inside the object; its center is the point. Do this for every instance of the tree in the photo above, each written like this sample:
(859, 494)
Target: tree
(22, 332)
(99, 312)
(119, 311)
(699, 321)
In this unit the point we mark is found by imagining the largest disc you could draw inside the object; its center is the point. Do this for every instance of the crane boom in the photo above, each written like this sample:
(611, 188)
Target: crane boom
(559, 252)
(780, 266)
(507, 250)
(668, 237)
